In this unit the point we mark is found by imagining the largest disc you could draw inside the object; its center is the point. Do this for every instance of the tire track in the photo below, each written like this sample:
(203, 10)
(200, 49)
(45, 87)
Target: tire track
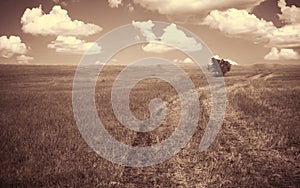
(151, 176)
(144, 176)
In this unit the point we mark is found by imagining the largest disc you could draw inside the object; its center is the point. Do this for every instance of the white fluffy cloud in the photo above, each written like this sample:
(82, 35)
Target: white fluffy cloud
(289, 14)
(239, 23)
(72, 45)
(24, 59)
(146, 29)
(187, 60)
(285, 37)
(157, 48)
(12, 45)
(57, 22)
(99, 63)
(172, 36)
(282, 54)
(176, 7)
(130, 7)
(114, 3)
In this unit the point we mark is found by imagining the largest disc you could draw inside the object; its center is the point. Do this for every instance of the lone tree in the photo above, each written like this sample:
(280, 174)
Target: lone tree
(219, 66)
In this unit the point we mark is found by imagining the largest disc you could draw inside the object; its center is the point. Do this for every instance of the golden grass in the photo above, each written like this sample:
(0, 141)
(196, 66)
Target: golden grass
(258, 145)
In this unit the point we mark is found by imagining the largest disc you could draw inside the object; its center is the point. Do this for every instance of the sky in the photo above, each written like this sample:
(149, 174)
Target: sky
(62, 31)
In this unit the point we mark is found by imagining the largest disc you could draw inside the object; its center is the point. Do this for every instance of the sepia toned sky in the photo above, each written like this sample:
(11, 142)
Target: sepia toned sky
(60, 32)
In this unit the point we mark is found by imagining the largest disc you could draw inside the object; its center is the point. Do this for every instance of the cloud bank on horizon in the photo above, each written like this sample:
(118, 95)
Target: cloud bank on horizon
(24, 59)
(277, 54)
(12, 45)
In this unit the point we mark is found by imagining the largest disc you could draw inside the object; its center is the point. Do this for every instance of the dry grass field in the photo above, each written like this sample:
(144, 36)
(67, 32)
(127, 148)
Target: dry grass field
(258, 145)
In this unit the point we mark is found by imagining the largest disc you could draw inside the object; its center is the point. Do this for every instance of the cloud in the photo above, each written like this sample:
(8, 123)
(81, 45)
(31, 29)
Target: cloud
(57, 22)
(12, 45)
(130, 7)
(231, 61)
(114, 60)
(99, 63)
(282, 54)
(114, 3)
(239, 23)
(287, 36)
(156, 48)
(175, 60)
(146, 29)
(176, 7)
(72, 45)
(289, 14)
(24, 59)
(187, 60)
(172, 36)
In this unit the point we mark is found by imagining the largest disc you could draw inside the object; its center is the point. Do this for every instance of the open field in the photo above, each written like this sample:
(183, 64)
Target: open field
(258, 145)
